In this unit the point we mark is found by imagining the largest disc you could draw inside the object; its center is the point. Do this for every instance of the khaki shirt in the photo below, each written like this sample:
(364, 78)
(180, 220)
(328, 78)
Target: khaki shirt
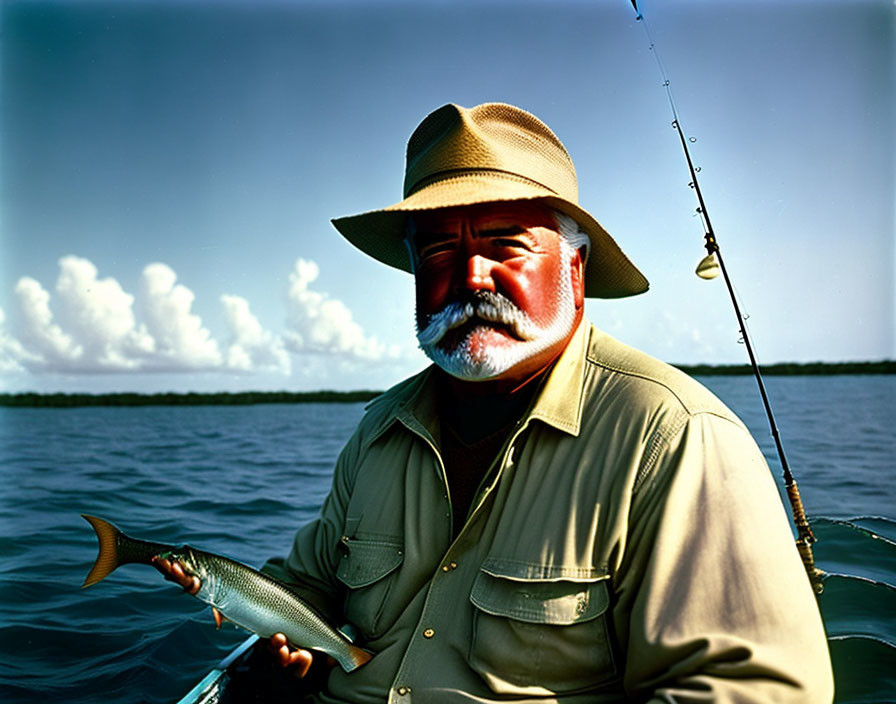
(628, 543)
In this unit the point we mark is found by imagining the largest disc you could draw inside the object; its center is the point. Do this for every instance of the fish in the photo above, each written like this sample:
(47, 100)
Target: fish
(241, 594)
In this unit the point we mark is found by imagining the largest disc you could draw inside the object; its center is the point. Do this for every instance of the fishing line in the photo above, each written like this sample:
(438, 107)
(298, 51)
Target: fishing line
(710, 267)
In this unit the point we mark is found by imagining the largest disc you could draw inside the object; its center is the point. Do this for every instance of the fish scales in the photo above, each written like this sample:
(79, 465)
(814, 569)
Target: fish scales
(260, 603)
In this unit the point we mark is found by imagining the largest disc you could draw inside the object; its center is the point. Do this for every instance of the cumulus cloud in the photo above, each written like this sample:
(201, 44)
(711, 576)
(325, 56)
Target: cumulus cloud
(99, 316)
(179, 338)
(12, 354)
(41, 336)
(91, 325)
(319, 324)
(251, 346)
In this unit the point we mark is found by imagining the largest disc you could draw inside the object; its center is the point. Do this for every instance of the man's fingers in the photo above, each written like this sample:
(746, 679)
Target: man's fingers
(174, 572)
(189, 582)
(298, 660)
(276, 641)
(162, 565)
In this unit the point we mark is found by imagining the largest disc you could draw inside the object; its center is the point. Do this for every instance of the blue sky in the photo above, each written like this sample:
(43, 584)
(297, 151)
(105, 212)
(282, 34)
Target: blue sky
(169, 171)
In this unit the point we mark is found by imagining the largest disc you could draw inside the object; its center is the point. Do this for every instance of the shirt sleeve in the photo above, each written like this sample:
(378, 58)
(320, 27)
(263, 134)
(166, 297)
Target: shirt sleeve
(717, 603)
(310, 568)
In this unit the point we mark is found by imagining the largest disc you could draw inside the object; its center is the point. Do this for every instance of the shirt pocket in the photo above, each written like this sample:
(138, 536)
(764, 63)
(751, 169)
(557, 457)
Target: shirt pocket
(542, 636)
(367, 569)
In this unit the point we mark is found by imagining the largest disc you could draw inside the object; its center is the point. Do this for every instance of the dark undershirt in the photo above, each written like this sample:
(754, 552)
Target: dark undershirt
(473, 431)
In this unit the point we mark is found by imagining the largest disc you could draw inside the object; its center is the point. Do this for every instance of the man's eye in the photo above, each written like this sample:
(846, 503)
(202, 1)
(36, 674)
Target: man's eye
(510, 243)
(438, 248)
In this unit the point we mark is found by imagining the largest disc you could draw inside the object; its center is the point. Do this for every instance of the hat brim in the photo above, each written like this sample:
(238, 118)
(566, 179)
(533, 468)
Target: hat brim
(381, 233)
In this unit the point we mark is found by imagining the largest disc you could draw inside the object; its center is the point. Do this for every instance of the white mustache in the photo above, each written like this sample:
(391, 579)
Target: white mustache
(488, 306)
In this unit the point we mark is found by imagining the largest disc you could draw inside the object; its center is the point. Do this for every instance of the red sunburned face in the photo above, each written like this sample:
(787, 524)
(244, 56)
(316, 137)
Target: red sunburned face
(511, 249)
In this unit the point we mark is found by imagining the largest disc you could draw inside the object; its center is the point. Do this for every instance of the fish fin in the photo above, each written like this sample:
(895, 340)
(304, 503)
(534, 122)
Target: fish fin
(219, 618)
(107, 559)
(356, 657)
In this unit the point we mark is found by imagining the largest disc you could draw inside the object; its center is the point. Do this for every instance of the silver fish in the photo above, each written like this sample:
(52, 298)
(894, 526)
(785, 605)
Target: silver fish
(243, 595)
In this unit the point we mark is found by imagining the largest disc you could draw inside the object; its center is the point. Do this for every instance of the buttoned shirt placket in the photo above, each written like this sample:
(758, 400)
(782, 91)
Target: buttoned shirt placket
(435, 607)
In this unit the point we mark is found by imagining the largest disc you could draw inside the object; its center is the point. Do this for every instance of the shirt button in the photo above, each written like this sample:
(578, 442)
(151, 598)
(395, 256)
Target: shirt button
(428, 633)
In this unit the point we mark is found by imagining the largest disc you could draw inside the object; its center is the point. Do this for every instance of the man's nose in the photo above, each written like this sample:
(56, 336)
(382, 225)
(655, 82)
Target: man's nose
(477, 274)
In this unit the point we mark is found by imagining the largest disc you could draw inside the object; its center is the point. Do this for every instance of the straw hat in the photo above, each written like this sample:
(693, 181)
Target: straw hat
(492, 152)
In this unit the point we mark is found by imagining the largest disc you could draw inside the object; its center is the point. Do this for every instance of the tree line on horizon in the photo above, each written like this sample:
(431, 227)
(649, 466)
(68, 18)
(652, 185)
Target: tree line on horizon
(245, 398)
(223, 398)
(886, 366)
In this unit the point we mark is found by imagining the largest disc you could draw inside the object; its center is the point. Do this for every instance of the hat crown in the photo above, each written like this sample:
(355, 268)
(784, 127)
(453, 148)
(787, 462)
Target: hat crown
(492, 153)
(492, 137)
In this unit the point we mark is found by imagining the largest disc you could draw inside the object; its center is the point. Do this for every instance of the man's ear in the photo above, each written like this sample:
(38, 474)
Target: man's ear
(577, 272)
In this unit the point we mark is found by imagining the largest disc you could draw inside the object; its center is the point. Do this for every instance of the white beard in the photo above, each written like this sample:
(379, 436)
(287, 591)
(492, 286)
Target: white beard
(489, 361)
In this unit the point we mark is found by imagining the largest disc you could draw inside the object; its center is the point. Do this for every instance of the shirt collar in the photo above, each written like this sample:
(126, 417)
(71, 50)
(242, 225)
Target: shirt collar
(559, 403)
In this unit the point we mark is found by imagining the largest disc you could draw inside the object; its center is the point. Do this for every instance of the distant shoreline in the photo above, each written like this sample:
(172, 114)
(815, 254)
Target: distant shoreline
(886, 366)
(241, 398)
(245, 398)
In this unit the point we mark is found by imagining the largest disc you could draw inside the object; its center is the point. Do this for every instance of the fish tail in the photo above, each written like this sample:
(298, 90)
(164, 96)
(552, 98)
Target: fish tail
(118, 549)
(107, 560)
(354, 658)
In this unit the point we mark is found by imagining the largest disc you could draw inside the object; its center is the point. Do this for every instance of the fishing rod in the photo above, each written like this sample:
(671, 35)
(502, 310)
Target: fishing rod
(709, 268)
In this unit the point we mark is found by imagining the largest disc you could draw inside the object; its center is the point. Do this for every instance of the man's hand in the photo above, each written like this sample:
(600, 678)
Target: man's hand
(175, 572)
(287, 656)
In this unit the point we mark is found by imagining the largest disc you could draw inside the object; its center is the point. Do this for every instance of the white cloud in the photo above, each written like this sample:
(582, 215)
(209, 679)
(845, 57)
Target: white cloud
(180, 340)
(99, 315)
(319, 324)
(41, 336)
(97, 329)
(93, 325)
(251, 346)
(12, 354)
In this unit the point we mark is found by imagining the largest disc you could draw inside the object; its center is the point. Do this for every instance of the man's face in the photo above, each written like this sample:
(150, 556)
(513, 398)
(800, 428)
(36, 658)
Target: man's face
(499, 293)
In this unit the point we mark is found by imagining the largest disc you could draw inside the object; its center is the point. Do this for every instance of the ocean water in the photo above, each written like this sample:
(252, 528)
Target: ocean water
(240, 480)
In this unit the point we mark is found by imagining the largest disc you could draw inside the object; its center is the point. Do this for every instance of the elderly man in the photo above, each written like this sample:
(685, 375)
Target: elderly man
(544, 514)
